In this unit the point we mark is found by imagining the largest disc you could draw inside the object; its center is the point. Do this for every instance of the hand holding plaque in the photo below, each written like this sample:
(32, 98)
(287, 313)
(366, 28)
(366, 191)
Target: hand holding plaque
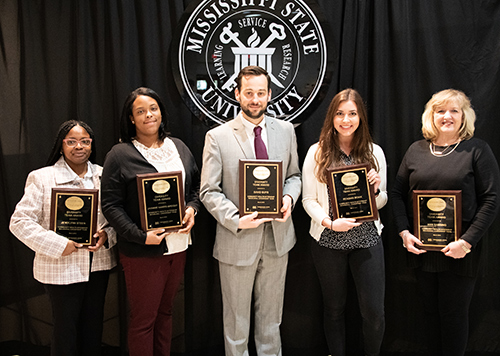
(161, 200)
(73, 214)
(351, 193)
(437, 217)
(261, 188)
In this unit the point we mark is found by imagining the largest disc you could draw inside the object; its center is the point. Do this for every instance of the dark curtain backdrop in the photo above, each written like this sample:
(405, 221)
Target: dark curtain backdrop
(62, 60)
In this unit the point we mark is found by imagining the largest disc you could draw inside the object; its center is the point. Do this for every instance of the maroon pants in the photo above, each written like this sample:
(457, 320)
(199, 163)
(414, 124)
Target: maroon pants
(152, 283)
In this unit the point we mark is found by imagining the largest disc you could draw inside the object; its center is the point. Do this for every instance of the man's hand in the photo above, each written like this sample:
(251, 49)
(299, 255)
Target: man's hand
(286, 209)
(251, 221)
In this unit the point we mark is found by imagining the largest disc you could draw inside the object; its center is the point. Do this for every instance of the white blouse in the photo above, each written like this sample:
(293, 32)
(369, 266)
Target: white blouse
(166, 158)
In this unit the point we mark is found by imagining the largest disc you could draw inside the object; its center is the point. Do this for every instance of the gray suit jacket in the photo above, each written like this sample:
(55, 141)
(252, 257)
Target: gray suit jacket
(219, 191)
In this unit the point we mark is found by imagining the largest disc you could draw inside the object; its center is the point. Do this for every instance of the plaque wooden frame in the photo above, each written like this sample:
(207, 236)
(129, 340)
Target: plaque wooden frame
(66, 214)
(453, 197)
(342, 201)
(269, 193)
(169, 220)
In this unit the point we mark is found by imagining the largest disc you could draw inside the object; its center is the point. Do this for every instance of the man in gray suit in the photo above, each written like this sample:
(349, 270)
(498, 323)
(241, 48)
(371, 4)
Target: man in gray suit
(252, 251)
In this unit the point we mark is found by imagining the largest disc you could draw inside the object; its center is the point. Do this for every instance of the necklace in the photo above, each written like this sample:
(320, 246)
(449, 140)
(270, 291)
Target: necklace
(443, 153)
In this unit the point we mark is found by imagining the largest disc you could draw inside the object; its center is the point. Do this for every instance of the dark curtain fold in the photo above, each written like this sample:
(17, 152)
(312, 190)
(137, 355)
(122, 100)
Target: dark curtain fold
(61, 60)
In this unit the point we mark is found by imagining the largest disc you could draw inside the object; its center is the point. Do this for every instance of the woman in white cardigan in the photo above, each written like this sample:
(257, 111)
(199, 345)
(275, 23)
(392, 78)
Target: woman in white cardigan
(343, 245)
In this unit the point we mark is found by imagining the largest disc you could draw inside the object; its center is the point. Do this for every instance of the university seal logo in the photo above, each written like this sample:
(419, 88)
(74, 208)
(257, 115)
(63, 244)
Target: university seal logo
(219, 37)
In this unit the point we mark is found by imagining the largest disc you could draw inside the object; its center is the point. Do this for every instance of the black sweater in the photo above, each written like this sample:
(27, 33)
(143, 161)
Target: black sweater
(119, 198)
(471, 168)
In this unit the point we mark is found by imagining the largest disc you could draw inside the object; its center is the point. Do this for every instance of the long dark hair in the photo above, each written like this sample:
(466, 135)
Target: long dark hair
(66, 127)
(127, 128)
(329, 153)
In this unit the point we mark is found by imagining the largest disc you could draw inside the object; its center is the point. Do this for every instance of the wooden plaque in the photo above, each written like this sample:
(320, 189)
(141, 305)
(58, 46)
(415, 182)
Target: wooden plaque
(437, 217)
(351, 193)
(161, 200)
(261, 188)
(73, 214)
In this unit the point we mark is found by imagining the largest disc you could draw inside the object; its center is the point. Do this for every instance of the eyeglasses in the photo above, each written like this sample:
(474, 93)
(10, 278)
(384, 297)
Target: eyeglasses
(84, 142)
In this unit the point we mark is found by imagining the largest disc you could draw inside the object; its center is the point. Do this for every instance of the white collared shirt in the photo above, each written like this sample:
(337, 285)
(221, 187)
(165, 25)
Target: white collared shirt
(249, 127)
(66, 174)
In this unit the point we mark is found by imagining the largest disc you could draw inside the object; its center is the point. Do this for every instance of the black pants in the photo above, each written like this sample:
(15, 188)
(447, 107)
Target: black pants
(367, 268)
(77, 313)
(446, 297)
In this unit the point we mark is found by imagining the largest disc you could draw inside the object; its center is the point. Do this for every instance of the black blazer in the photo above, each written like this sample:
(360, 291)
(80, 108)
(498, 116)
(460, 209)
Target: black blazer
(119, 197)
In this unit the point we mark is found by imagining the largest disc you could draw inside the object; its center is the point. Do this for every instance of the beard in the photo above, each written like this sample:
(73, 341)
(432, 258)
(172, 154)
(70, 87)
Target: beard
(254, 115)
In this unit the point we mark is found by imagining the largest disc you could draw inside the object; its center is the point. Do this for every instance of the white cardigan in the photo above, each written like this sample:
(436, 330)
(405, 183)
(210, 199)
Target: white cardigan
(315, 193)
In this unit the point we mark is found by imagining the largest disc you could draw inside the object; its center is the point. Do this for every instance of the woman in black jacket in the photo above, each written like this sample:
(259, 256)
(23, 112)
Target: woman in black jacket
(153, 261)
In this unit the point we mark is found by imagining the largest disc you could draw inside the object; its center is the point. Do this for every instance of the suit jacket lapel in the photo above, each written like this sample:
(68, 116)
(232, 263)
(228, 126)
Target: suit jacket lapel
(242, 138)
(272, 137)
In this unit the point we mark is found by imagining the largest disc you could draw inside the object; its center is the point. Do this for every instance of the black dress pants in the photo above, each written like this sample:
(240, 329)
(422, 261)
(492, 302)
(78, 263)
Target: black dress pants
(77, 313)
(446, 298)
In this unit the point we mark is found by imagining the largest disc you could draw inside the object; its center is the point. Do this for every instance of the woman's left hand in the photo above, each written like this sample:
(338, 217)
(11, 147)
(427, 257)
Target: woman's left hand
(454, 249)
(102, 237)
(188, 221)
(374, 179)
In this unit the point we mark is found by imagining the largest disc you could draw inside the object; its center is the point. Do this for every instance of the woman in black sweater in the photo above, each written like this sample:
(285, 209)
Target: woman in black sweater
(448, 159)
(153, 261)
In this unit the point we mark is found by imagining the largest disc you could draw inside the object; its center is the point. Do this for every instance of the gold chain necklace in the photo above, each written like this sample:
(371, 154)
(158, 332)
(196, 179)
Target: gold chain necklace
(432, 148)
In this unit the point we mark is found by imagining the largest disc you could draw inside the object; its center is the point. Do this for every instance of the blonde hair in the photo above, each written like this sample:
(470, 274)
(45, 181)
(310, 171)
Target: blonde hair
(444, 97)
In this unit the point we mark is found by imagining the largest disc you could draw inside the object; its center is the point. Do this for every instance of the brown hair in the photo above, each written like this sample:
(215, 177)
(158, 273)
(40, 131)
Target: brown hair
(328, 154)
(252, 71)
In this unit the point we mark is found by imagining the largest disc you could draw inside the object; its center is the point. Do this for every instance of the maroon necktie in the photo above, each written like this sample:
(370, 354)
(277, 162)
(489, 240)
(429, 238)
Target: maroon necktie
(260, 147)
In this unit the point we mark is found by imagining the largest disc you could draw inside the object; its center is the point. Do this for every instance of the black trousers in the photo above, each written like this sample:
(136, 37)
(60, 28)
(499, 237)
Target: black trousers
(367, 268)
(77, 313)
(446, 298)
